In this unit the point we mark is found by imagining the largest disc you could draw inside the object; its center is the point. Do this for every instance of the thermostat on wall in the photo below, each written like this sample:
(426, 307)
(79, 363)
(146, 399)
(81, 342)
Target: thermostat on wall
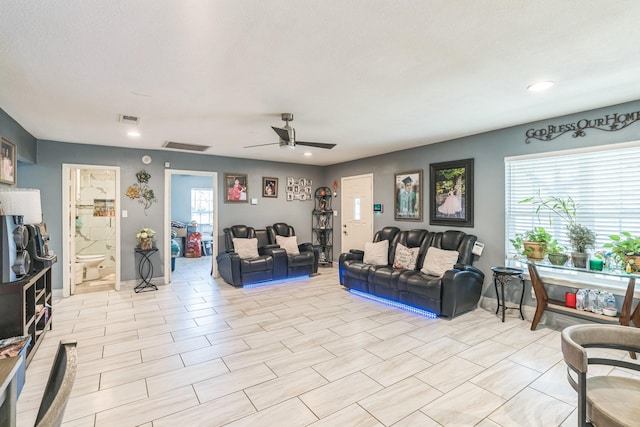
(377, 207)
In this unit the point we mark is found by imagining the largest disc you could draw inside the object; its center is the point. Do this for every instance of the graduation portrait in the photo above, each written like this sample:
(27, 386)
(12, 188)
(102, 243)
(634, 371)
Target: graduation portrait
(408, 196)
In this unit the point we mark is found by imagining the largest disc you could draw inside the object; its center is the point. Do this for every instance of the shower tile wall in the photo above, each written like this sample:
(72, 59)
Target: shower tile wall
(97, 233)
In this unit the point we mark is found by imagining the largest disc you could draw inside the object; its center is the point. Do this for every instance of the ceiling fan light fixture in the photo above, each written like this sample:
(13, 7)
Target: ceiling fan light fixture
(540, 86)
(308, 153)
(288, 145)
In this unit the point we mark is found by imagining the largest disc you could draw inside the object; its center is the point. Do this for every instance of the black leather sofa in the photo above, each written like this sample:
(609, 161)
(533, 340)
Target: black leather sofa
(269, 265)
(457, 291)
(304, 263)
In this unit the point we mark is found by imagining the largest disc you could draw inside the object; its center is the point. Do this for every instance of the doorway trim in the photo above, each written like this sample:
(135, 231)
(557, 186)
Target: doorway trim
(168, 174)
(343, 217)
(69, 203)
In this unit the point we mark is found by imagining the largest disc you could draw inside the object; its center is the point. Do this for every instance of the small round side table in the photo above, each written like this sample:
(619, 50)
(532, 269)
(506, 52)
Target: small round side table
(502, 276)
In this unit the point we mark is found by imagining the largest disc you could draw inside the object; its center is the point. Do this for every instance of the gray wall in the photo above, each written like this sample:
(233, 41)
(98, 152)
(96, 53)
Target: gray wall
(489, 150)
(24, 141)
(46, 175)
(181, 186)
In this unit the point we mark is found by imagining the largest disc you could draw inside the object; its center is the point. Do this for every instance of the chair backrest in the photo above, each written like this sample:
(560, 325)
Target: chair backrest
(58, 389)
(390, 234)
(280, 229)
(454, 240)
(237, 231)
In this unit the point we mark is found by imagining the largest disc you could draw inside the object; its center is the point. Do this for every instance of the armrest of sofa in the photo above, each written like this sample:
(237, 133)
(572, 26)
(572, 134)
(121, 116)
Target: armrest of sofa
(461, 290)
(357, 252)
(279, 256)
(229, 268)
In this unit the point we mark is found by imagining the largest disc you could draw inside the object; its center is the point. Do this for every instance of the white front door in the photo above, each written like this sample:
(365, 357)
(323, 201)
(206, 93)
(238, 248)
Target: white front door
(357, 211)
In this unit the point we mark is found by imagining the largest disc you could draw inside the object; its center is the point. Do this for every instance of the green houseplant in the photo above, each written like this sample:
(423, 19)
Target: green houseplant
(532, 243)
(557, 255)
(625, 249)
(581, 238)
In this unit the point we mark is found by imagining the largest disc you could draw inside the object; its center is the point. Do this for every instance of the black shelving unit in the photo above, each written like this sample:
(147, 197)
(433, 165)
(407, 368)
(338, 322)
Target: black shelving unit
(322, 226)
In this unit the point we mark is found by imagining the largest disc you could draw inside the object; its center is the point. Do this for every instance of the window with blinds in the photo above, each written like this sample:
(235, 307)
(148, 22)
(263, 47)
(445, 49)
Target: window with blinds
(604, 182)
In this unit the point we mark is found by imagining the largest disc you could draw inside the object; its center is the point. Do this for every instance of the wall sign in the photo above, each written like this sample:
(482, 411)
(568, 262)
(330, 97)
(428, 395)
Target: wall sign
(608, 123)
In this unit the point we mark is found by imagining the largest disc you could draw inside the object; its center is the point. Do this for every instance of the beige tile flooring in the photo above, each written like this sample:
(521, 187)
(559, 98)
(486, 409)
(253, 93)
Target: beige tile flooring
(199, 352)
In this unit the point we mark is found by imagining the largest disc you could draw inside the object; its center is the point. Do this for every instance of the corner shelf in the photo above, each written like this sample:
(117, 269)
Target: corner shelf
(322, 226)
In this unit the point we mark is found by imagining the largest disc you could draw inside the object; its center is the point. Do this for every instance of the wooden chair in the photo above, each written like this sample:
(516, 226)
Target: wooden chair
(56, 394)
(603, 400)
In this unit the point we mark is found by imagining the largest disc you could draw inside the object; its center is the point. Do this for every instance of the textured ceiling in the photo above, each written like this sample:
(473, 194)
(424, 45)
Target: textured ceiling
(371, 76)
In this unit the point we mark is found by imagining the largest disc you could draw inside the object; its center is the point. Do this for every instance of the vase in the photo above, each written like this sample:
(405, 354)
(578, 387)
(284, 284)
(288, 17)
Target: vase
(558, 258)
(535, 250)
(146, 244)
(579, 259)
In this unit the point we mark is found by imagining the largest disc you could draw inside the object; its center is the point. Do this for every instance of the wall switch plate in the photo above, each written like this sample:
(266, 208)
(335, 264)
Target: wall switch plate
(125, 214)
(477, 248)
(254, 201)
(335, 213)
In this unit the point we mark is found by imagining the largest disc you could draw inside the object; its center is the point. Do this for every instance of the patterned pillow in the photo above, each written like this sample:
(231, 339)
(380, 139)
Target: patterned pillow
(376, 253)
(289, 244)
(437, 261)
(405, 258)
(246, 248)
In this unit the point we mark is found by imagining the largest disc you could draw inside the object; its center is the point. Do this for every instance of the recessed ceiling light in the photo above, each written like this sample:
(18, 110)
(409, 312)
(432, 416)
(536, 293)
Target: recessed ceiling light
(539, 86)
(133, 133)
(308, 153)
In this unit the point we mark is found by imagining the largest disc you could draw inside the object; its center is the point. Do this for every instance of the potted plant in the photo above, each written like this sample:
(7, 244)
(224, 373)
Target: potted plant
(580, 238)
(532, 243)
(557, 255)
(625, 249)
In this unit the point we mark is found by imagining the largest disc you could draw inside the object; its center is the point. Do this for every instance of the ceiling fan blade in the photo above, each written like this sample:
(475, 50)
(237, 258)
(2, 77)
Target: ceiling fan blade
(282, 133)
(261, 145)
(316, 144)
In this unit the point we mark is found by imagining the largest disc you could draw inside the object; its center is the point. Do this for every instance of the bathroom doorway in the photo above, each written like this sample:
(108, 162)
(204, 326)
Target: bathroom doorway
(91, 255)
(191, 206)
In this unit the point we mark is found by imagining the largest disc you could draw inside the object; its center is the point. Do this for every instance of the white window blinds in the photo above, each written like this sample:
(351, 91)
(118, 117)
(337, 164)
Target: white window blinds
(605, 183)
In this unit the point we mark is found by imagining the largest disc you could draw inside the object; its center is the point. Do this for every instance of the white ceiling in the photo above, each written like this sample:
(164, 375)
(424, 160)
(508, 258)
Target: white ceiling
(372, 76)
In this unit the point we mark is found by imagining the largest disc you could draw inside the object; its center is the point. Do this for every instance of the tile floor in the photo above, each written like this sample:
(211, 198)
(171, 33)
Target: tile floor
(199, 352)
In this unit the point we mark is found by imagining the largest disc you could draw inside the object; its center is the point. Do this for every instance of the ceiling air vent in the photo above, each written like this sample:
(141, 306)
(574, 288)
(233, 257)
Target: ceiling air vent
(187, 147)
(130, 120)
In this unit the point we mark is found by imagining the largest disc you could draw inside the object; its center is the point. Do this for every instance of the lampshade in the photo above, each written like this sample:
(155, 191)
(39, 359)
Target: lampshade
(22, 201)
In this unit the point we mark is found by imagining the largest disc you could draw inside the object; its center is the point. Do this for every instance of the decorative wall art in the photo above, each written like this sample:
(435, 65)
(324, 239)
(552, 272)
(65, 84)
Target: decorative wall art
(299, 189)
(7, 162)
(236, 188)
(269, 186)
(141, 190)
(451, 195)
(408, 195)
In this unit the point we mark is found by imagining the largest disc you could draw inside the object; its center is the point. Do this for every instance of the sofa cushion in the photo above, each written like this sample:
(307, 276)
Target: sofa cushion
(405, 258)
(289, 244)
(246, 248)
(376, 253)
(437, 261)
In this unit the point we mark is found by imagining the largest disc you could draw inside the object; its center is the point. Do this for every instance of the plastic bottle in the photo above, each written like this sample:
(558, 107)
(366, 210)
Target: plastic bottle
(580, 299)
(592, 300)
(601, 302)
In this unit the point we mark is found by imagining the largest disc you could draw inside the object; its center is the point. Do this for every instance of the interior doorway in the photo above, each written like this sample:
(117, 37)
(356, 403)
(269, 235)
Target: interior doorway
(357, 211)
(187, 204)
(91, 226)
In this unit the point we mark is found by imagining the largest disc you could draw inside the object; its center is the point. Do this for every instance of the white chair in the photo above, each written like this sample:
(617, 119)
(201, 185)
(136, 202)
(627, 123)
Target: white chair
(603, 400)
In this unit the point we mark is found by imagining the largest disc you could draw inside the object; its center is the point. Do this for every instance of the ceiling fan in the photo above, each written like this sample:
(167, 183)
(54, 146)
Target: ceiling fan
(287, 136)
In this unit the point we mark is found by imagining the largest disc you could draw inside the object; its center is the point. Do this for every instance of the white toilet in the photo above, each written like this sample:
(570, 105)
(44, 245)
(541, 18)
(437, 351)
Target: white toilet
(90, 264)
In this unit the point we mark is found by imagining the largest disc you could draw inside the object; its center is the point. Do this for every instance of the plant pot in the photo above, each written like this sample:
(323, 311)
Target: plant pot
(579, 259)
(535, 250)
(558, 258)
(635, 262)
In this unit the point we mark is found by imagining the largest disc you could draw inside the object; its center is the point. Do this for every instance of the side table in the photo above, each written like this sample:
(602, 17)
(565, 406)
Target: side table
(502, 276)
(145, 270)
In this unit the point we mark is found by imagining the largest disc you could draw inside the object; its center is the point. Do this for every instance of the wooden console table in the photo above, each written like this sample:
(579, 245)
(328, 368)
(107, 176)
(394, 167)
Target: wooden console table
(543, 302)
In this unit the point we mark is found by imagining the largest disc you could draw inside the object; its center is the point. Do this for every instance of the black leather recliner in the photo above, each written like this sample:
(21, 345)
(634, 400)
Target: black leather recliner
(306, 262)
(270, 264)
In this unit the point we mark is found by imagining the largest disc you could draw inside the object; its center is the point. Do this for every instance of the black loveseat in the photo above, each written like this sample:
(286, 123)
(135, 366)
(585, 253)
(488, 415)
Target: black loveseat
(302, 264)
(457, 291)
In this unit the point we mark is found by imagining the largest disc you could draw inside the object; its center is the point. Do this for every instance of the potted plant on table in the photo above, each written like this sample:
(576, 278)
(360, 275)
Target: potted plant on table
(625, 249)
(533, 243)
(581, 238)
(557, 253)
(145, 238)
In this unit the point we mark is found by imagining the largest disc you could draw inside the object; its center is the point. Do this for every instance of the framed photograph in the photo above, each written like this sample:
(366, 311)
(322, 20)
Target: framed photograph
(451, 195)
(269, 186)
(8, 162)
(236, 187)
(408, 195)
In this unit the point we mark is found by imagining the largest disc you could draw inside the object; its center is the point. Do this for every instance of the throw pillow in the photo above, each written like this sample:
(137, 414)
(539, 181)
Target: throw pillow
(405, 257)
(246, 248)
(376, 253)
(437, 261)
(289, 244)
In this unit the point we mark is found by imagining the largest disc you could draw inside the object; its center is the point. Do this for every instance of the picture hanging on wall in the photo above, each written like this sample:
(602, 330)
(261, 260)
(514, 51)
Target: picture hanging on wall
(298, 189)
(236, 188)
(451, 195)
(408, 195)
(8, 164)
(269, 186)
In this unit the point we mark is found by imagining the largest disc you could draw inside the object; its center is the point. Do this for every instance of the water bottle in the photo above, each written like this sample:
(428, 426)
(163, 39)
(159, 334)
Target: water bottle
(580, 299)
(601, 302)
(610, 301)
(592, 300)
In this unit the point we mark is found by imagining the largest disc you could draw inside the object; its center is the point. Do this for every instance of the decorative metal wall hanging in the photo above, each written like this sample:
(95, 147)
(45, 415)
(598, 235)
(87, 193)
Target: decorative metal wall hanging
(608, 123)
(141, 190)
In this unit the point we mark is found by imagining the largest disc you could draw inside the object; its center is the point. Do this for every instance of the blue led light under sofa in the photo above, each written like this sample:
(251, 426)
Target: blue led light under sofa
(440, 281)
